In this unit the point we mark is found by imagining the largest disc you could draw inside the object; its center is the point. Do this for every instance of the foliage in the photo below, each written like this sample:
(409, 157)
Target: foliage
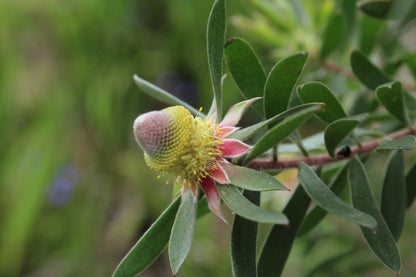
(281, 92)
(336, 80)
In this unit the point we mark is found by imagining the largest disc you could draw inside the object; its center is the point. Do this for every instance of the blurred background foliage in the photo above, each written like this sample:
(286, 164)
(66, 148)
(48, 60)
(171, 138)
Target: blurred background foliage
(75, 193)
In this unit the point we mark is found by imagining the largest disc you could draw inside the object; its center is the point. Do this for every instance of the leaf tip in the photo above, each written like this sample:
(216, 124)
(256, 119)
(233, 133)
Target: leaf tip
(304, 53)
(287, 225)
(136, 78)
(228, 41)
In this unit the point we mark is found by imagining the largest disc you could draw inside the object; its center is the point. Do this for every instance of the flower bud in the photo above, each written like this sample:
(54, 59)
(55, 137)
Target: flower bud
(163, 136)
(174, 141)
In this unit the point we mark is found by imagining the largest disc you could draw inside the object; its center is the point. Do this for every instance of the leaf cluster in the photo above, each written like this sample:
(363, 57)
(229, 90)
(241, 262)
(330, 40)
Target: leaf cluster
(380, 119)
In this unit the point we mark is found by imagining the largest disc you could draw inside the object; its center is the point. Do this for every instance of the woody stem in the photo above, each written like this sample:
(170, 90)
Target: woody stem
(323, 159)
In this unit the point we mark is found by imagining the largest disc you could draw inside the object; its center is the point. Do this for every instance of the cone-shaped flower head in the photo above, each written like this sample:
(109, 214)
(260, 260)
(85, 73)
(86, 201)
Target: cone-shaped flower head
(192, 149)
(174, 141)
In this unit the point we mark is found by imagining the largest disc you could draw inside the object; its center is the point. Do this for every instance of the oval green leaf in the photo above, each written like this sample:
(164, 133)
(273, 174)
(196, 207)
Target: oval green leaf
(281, 81)
(161, 95)
(318, 92)
(334, 34)
(251, 179)
(372, 77)
(366, 71)
(381, 241)
(251, 130)
(279, 132)
(276, 249)
(404, 143)
(390, 96)
(411, 186)
(376, 8)
(246, 69)
(244, 242)
(315, 216)
(182, 231)
(338, 130)
(244, 208)
(150, 245)
(393, 196)
(370, 29)
(215, 47)
(326, 199)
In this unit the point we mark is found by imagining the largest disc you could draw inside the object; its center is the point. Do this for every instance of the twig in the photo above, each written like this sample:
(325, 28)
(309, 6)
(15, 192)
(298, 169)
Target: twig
(325, 158)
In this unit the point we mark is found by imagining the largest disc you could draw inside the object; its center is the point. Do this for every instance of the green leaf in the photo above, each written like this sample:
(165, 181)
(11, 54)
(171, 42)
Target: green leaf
(404, 143)
(280, 15)
(338, 130)
(381, 241)
(246, 69)
(215, 47)
(251, 179)
(251, 130)
(393, 197)
(279, 132)
(153, 241)
(376, 8)
(411, 186)
(372, 77)
(182, 231)
(334, 34)
(278, 244)
(410, 60)
(150, 245)
(369, 33)
(391, 96)
(244, 208)
(244, 242)
(315, 216)
(281, 81)
(325, 198)
(367, 72)
(161, 95)
(318, 92)
(349, 9)
(330, 263)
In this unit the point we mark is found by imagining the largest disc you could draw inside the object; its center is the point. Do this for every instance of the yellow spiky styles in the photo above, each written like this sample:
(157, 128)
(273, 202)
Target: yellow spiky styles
(174, 141)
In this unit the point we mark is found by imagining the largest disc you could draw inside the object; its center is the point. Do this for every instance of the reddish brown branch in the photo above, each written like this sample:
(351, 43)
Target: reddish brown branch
(325, 158)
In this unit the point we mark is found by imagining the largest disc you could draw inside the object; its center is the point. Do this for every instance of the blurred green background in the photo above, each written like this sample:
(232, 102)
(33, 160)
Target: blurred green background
(75, 193)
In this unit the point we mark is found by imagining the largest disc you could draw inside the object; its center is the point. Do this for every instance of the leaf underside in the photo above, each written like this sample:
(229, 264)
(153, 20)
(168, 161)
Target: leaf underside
(325, 198)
